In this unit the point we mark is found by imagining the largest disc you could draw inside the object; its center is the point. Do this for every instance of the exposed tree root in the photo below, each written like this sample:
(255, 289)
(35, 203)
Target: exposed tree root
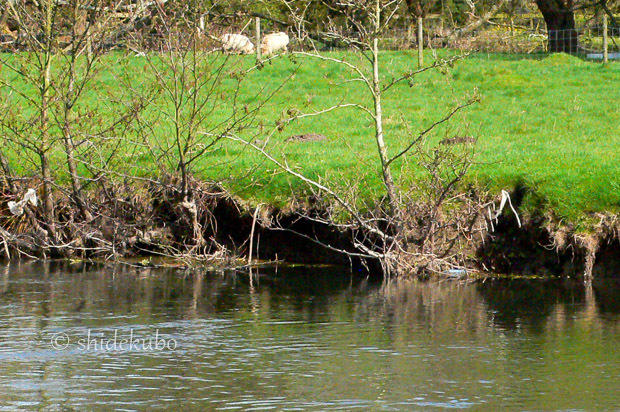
(548, 246)
(126, 221)
(211, 226)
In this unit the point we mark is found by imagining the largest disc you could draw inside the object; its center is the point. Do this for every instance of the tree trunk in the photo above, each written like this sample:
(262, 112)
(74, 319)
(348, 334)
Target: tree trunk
(6, 173)
(46, 173)
(48, 200)
(388, 180)
(560, 19)
(73, 173)
(69, 117)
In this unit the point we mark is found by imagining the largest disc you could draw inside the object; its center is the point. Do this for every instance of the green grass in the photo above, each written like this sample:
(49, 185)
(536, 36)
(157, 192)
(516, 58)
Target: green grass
(549, 123)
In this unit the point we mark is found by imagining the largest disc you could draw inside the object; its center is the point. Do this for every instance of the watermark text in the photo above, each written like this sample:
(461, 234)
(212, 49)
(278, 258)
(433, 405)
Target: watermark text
(113, 342)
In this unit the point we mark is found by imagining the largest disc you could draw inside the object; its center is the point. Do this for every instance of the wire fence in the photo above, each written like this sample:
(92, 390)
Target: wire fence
(492, 37)
(586, 42)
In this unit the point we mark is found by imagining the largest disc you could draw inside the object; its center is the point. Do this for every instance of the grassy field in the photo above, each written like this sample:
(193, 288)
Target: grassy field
(549, 123)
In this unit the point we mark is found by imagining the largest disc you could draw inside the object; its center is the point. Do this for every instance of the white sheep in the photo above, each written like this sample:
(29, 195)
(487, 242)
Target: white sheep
(274, 42)
(237, 43)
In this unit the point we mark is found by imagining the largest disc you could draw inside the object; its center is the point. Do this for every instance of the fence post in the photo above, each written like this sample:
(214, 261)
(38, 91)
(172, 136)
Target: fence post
(258, 40)
(605, 40)
(420, 42)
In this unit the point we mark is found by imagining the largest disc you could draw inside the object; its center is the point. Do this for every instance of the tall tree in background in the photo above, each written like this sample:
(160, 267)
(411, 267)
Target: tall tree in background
(559, 17)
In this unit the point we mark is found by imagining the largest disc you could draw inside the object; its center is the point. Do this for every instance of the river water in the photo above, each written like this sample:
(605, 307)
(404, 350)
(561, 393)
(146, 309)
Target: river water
(86, 337)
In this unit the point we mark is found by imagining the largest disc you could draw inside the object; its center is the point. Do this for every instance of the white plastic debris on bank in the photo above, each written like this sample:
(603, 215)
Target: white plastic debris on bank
(495, 216)
(17, 208)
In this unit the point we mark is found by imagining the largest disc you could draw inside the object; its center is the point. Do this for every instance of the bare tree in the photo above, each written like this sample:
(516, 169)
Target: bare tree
(78, 65)
(50, 101)
(383, 232)
(190, 92)
(30, 130)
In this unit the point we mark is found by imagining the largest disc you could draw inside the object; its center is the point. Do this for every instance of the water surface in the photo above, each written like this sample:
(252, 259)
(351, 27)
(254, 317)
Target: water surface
(302, 339)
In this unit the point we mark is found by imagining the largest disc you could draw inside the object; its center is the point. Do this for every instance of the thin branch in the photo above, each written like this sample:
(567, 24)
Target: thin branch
(429, 129)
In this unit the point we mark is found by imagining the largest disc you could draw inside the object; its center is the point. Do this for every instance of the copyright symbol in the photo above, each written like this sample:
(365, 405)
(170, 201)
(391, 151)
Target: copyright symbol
(60, 341)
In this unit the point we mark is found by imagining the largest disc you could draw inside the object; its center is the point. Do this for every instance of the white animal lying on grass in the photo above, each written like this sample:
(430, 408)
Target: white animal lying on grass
(237, 43)
(273, 43)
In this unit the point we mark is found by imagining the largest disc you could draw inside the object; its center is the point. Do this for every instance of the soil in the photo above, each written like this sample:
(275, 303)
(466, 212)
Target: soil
(308, 137)
(130, 221)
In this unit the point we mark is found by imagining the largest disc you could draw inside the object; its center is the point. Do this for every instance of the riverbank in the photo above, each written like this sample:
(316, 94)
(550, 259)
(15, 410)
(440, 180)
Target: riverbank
(151, 179)
(143, 221)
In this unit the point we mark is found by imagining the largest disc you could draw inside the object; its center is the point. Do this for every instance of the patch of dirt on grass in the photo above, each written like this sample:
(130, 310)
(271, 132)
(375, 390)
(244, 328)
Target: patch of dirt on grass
(308, 137)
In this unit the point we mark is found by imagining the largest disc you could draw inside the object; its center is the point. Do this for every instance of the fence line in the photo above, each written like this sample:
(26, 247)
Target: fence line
(490, 38)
